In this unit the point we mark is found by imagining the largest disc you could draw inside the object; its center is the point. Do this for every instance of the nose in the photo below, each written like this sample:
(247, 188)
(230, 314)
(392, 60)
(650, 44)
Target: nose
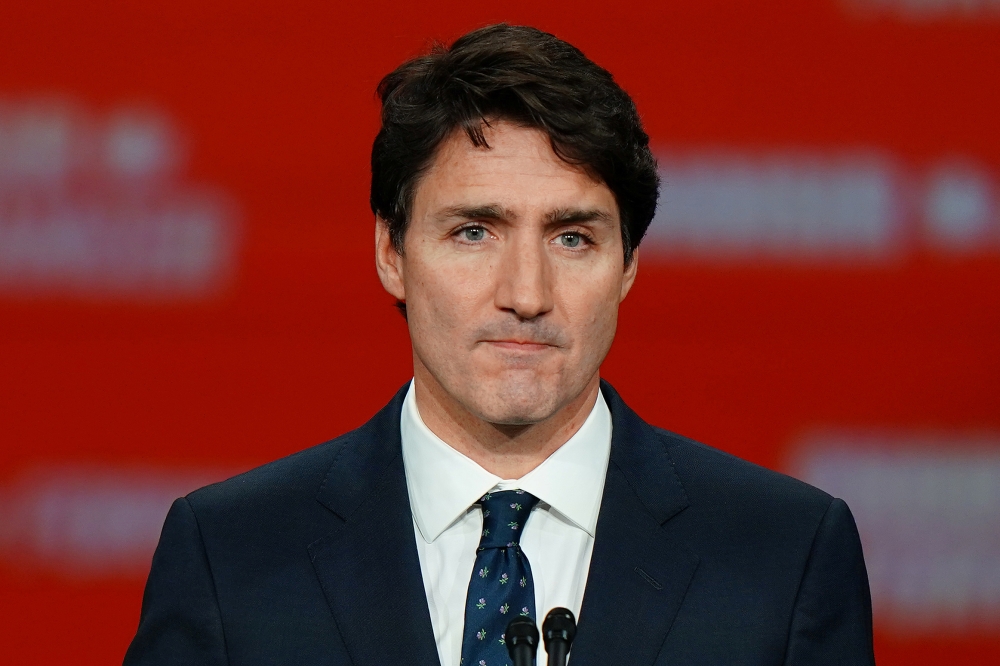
(524, 284)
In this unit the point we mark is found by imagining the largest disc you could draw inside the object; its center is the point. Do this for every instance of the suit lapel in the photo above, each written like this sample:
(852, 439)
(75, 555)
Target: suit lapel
(368, 566)
(638, 574)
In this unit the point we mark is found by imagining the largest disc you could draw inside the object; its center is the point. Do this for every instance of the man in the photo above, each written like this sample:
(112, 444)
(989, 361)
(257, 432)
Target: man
(511, 183)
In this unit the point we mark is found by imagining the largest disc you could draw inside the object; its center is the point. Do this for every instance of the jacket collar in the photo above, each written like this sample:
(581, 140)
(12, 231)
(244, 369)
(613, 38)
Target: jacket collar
(368, 565)
(370, 572)
(639, 573)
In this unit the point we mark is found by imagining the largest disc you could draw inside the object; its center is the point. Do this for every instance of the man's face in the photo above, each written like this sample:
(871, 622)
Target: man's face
(512, 273)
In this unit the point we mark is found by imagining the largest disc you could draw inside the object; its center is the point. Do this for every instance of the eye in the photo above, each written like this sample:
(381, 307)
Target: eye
(473, 234)
(570, 239)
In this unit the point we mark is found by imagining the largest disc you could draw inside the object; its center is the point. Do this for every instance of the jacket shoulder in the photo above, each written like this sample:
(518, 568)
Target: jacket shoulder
(737, 487)
(300, 476)
(302, 471)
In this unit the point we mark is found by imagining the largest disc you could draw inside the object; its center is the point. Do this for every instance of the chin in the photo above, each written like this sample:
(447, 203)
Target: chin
(516, 403)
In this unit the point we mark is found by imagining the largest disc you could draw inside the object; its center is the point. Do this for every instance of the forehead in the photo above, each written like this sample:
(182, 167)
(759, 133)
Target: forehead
(518, 171)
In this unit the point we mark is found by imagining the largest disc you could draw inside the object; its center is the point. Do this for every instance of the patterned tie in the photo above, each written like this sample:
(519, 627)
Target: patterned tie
(501, 587)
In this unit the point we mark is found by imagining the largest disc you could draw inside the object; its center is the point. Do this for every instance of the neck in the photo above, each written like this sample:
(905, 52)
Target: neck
(508, 451)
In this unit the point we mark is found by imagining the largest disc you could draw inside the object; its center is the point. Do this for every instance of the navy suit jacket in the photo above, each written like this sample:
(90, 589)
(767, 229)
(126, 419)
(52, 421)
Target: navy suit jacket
(700, 558)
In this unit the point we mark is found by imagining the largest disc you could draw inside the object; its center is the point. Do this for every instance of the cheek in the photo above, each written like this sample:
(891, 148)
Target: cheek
(591, 306)
(447, 293)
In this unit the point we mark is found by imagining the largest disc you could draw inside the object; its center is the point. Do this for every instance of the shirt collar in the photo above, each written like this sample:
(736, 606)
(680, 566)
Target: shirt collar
(443, 483)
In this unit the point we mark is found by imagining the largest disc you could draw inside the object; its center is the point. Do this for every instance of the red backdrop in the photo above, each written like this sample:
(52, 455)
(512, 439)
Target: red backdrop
(125, 379)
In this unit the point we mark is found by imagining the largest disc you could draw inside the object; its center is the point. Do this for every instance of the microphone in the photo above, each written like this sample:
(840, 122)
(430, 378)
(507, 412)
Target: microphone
(522, 640)
(558, 631)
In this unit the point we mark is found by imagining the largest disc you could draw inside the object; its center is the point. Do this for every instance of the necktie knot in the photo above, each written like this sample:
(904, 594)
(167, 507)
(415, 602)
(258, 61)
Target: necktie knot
(504, 516)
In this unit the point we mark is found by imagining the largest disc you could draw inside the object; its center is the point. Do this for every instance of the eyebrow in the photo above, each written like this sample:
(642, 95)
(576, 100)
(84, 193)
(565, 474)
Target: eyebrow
(487, 212)
(576, 215)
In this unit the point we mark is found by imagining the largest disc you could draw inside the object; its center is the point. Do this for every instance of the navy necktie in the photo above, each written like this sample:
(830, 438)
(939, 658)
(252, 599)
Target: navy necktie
(501, 587)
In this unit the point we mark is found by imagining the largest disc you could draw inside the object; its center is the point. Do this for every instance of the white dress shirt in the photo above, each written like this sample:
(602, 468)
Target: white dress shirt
(558, 538)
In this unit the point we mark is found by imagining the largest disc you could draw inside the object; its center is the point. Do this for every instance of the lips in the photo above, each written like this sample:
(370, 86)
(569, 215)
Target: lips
(520, 345)
(525, 336)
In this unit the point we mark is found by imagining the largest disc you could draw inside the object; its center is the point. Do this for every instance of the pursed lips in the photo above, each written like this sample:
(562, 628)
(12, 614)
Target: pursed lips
(520, 345)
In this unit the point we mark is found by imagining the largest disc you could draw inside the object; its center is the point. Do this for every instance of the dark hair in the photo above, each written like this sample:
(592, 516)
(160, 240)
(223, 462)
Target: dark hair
(526, 76)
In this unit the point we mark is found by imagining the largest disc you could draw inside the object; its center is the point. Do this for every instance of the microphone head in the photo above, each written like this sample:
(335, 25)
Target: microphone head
(559, 625)
(521, 631)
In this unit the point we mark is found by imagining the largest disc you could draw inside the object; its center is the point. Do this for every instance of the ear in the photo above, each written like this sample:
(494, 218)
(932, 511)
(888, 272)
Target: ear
(628, 279)
(388, 262)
